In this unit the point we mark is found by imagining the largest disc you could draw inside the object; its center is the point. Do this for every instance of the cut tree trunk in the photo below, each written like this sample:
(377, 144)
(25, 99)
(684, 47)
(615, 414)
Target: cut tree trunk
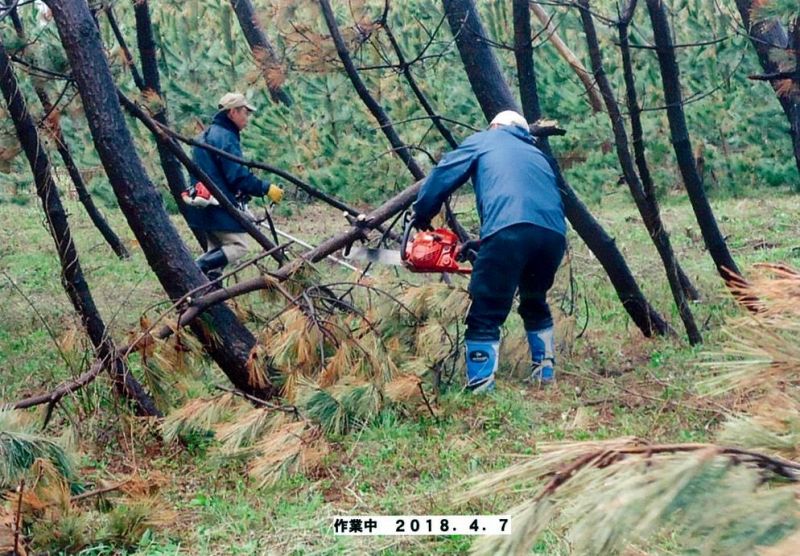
(225, 338)
(647, 205)
(71, 272)
(670, 78)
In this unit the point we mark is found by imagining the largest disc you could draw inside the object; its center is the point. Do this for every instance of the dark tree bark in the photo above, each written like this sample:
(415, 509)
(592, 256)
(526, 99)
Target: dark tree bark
(523, 55)
(766, 36)
(377, 111)
(126, 52)
(483, 70)
(71, 273)
(226, 339)
(597, 239)
(637, 133)
(647, 205)
(69, 162)
(148, 83)
(405, 68)
(260, 46)
(670, 78)
(151, 83)
(75, 175)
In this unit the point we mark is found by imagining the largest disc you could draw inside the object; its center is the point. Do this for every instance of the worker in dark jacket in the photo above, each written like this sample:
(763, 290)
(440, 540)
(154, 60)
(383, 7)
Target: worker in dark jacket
(522, 240)
(227, 239)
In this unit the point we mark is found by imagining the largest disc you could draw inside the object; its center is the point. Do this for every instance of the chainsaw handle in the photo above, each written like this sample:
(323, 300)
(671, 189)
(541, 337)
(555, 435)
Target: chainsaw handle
(468, 251)
(408, 223)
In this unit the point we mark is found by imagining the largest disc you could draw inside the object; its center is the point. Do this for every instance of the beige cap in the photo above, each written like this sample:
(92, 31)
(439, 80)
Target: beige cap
(509, 117)
(234, 100)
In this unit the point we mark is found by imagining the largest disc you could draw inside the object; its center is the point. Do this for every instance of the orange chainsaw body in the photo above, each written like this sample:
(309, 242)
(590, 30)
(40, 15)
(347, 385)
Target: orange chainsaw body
(434, 251)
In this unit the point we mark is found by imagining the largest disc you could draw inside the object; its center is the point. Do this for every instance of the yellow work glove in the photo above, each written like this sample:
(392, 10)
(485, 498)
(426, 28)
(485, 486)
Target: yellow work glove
(275, 193)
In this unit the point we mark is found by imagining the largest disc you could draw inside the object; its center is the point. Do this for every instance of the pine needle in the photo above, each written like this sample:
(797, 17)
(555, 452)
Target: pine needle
(246, 429)
(20, 448)
(128, 522)
(291, 448)
(199, 415)
(761, 352)
(604, 498)
(404, 388)
(748, 432)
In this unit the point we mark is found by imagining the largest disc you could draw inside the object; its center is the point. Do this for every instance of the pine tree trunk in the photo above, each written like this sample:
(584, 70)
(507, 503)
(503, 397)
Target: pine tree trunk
(670, 78)
(523, 55)
(84, 196)
(646, 204)
(260, 46)
(226, 339)
(71, 272)
(483, 70)
(151, 82)
(637, 132)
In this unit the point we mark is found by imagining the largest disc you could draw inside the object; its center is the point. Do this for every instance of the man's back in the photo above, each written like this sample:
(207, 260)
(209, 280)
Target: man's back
(514, 182)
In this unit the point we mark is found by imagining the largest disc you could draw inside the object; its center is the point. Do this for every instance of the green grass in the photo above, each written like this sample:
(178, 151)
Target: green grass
(613, 382)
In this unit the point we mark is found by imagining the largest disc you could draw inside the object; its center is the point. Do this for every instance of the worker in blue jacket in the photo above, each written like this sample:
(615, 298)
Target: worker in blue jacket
(227, 239)
(522, 240)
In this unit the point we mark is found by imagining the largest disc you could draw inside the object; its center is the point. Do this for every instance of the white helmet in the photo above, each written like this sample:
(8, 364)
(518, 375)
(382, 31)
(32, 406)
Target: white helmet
(509, 117)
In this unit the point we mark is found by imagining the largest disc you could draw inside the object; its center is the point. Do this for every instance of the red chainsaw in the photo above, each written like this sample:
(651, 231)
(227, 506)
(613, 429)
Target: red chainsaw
(426, 251)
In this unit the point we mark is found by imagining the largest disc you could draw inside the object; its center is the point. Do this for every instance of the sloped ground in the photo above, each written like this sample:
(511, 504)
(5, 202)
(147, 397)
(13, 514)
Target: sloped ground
(612, 383)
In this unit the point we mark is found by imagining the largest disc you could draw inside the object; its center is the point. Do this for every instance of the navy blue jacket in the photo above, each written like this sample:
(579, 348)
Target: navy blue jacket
(234, 179)
(513, 181)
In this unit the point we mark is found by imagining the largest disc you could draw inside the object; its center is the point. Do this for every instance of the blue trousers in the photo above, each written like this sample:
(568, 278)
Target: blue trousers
(525, 257)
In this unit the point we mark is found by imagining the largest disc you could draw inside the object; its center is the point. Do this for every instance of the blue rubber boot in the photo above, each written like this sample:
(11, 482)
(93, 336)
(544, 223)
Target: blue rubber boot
(542, 354)
(482, 359)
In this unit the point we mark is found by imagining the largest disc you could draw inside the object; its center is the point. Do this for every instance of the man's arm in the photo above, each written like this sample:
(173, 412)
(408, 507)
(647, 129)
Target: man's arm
(450, 174)
(239, 177)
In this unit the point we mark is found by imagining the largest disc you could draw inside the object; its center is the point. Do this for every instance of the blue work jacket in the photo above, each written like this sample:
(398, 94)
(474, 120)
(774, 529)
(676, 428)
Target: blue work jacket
(514, 182)
(233, 178)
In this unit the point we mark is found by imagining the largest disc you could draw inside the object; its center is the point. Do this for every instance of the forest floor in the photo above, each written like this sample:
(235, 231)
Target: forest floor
(611, 382)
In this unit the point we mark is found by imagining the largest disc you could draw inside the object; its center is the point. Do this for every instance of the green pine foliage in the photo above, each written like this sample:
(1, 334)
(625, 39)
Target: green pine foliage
(328, 138)
(21, 446)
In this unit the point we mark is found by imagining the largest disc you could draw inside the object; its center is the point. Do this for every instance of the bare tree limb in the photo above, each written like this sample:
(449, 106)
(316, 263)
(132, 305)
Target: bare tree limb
(586, 78)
